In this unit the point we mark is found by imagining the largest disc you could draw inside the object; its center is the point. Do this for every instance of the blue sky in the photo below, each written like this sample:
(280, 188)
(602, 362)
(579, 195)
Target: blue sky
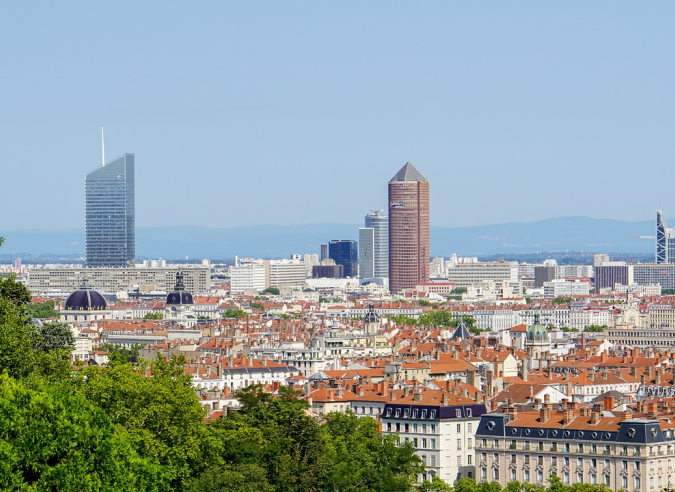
(299, 112)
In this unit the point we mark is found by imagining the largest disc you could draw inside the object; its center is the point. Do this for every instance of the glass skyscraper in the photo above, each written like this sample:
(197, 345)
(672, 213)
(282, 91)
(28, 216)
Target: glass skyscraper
(346, 253)
(374, 246)
(110, 228)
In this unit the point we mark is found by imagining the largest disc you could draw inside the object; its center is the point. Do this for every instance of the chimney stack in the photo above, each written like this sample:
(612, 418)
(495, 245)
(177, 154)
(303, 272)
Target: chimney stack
(609, 403)
(568, 415)
(545, 413)
(512, 410)
(444, 399)
(596, 414)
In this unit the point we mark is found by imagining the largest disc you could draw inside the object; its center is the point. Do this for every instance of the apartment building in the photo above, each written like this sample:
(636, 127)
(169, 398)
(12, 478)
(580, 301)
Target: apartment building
(54, 280)
(468, 274)
(579, 444)
(440, 425)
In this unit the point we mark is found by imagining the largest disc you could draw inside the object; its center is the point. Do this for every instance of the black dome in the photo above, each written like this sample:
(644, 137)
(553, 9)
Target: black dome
(179, 294)
(85, 299)
(371, 316)
(179, 298)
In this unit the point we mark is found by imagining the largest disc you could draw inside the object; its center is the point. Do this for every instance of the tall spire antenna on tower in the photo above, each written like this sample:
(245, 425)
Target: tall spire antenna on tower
(102, 149)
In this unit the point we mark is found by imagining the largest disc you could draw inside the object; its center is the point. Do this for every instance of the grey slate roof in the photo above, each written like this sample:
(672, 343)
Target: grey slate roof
(461, 333)
(408, 173)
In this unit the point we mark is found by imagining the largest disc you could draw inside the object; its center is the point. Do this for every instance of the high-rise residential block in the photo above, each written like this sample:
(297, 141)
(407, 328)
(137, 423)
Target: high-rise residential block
(345, 252)
(110, 233)
(408, 229)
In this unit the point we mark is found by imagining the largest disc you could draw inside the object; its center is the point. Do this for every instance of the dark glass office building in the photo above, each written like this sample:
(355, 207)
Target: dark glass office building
(346, 253)
(110, 233)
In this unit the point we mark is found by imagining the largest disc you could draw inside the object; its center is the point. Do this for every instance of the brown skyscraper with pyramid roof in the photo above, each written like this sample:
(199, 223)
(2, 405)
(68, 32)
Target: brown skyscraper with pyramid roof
(408, 229)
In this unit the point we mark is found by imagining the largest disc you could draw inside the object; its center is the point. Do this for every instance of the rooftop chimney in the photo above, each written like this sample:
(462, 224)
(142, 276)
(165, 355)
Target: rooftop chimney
(627, 415)
(513, 412)
(444, 399)
(608, 403)
(568, 415)
(596, 414)
(545, 413)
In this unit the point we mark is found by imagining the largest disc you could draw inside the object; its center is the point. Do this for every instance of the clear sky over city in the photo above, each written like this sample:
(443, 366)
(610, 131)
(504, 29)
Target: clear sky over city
(243, 113)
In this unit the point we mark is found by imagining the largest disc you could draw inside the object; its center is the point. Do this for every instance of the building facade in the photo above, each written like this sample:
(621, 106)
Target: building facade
(110, 228)
(249, 275)
(56, 281)
(285, 272)
(665, 240)
(441, 428)
(379, 223)
(579, 445)
(408, 229)
(345, 252)
(366, 252)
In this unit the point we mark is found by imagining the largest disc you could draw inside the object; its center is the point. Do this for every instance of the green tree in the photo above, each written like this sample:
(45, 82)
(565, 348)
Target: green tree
(42, 310)
(54, 337)
(118, 354)
(433, 485)
(161, 414)
(230, 478)
(293, 453)
(15, 292)
(154, 315)
(17, 332)
(272, 290)
(401, 319)
(54, 439)
(595, 328)
(361, 458)
(235, 313)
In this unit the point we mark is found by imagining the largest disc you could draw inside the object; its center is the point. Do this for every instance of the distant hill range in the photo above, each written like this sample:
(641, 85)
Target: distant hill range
(580, 234)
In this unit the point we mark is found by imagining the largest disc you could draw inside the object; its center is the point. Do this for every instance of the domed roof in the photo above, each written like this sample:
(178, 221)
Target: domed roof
(179, 294)
(371, 316)
(85, 299)
(537, 332)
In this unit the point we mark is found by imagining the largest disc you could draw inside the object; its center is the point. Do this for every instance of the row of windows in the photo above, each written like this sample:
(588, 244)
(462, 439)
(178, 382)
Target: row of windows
(417, 413)
(398, 427)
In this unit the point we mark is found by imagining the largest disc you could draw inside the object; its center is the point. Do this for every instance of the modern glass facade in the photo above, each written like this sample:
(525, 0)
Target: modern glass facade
(380, 225)
(346, 253)
(110, 229)
(366, 252)
(665, 240)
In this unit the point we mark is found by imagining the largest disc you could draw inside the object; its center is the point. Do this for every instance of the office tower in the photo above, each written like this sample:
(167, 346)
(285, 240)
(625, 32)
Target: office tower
(366, 252)
(408, 229)
(345, 252)
(665, 240)
(543, 274)
(324, 252)
(380, 224)
(110, 214)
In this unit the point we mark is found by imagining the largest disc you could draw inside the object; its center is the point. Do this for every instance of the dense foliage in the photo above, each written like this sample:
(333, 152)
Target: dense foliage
(154, 315)
(43, 310)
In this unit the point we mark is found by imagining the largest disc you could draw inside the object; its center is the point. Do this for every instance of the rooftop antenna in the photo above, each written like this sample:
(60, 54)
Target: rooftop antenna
(102, 149)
